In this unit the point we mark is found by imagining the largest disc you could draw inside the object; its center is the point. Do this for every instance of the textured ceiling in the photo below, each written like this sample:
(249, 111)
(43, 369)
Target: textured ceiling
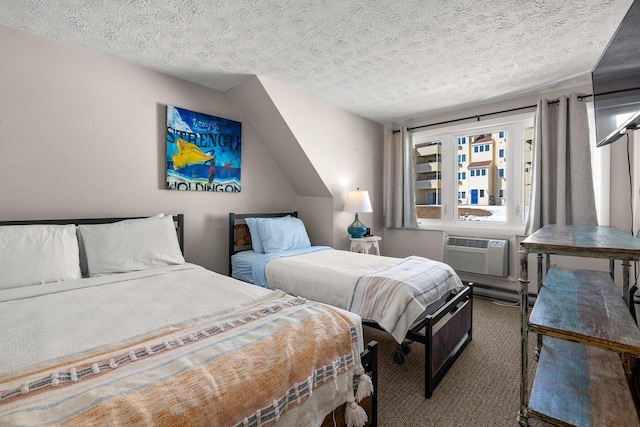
(383, 60)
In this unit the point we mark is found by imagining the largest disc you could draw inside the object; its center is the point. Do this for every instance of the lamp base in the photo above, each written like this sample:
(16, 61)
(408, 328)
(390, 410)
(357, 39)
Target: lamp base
(357, 229)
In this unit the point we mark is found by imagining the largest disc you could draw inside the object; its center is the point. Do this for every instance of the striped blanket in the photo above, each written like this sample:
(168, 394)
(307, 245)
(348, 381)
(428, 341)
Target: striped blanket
(396, 296)
(282, 359)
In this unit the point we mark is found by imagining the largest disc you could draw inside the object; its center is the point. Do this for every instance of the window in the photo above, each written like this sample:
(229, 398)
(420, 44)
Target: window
(494, 194)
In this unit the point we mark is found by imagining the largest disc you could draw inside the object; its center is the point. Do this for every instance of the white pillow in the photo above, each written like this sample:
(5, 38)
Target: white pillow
(130, 245)
(38, 253)
(282, 234)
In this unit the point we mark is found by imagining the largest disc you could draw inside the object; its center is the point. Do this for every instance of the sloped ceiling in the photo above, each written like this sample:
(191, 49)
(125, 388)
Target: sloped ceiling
(382, 60)
(258, 109)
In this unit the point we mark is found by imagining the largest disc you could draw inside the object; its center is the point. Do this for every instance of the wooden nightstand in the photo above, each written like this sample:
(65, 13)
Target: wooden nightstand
(365, 244)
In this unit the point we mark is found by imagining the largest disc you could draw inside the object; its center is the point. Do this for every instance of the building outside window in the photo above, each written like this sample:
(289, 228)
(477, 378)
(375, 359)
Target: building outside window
(428, 191)
(496, 192)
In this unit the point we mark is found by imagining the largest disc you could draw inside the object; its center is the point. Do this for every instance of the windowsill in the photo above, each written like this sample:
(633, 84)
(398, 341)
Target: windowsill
(475, 229)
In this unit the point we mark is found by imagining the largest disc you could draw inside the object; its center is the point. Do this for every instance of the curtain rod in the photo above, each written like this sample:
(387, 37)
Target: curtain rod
(477, 116)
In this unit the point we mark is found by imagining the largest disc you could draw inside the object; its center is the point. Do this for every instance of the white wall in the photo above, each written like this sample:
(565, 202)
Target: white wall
(625, 189)
(82, 135)
(346, 151)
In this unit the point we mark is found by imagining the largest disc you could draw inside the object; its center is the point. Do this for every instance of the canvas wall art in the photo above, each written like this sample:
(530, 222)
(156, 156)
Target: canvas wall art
(203, 151)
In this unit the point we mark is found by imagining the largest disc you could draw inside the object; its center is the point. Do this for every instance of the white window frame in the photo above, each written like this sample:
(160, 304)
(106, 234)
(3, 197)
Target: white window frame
(514, 173)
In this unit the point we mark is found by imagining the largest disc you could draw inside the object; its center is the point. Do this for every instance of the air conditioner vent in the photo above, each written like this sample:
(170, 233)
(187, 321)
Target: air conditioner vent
(477, 255)
(469, 243)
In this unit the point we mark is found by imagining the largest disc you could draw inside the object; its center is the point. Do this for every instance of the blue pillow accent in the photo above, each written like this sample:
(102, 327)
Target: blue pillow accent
(256, 241)
(282, 234)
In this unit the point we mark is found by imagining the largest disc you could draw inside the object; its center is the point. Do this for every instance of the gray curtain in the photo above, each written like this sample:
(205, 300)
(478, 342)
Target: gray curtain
(399, 208)
(561, 183)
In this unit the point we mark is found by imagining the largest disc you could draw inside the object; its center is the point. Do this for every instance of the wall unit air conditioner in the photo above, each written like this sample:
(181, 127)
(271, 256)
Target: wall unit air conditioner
(477, 255)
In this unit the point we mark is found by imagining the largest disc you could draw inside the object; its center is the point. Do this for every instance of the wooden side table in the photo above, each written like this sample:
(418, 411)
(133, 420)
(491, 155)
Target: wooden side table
(365, 244)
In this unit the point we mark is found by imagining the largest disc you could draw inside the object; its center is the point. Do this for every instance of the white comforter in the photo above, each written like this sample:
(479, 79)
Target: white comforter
(338, 278)
(149, 336)
(97, 314)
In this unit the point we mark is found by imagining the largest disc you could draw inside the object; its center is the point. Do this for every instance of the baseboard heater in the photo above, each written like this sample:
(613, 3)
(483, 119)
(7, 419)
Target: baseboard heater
(477, 255)
(496, 293)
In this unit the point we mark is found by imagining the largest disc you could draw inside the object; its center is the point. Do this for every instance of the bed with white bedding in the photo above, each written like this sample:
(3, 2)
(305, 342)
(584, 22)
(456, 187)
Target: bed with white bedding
(144, 338)
(412, 298)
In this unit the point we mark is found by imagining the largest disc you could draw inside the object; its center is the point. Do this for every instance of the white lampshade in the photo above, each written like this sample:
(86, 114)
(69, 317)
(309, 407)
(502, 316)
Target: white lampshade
(358, 201)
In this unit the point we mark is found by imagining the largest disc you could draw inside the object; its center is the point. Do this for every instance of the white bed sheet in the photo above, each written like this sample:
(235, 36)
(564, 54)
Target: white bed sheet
(332, 276)
(326, 276)
(46, 322)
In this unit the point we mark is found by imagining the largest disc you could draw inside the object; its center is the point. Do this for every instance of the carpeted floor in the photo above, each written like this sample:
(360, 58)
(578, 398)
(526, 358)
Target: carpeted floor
(481, 389)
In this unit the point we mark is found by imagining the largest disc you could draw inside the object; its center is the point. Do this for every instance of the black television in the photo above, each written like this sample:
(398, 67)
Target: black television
(616, 81)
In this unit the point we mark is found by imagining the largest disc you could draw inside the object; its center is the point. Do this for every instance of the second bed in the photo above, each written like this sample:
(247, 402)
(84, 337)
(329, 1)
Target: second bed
(411, 298)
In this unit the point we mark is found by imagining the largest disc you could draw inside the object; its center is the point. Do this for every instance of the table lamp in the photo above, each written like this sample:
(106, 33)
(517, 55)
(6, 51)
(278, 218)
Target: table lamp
(357, 201)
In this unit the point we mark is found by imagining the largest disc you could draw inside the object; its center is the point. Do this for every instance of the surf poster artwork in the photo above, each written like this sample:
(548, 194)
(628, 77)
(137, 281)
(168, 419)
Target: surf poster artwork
(203, 152)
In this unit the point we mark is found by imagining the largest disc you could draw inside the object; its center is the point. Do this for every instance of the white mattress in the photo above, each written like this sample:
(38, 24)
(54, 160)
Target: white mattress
(49, 321)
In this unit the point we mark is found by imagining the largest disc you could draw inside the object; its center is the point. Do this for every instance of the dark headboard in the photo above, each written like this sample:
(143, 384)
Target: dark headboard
(178, 221)
(239, 236)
